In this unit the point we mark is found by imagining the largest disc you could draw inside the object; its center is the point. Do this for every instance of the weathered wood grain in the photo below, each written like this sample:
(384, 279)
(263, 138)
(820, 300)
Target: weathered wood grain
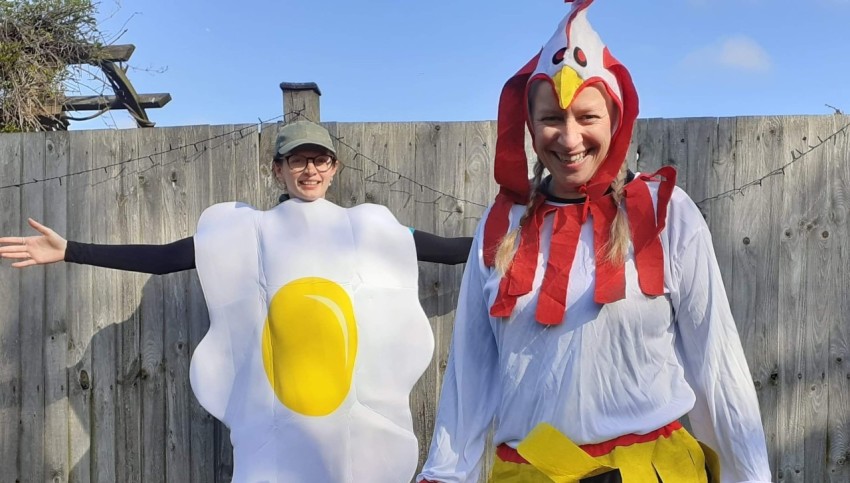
(106, 306)
(11, 170)
(151, 312)
(838, 368)
(427, 136)
(79, 309)
(128, 418)
(175, 225)
(349, 188)
(202, 424)
(269, 188)
(792, 298)
(755, 300)
(822, 291)
(31, 317)
(56, 427)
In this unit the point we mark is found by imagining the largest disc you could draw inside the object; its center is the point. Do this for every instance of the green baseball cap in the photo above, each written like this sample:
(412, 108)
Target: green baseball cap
(300, 133)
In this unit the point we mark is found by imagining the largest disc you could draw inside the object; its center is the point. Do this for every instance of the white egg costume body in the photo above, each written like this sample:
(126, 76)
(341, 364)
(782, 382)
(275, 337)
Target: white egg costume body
(316, 339)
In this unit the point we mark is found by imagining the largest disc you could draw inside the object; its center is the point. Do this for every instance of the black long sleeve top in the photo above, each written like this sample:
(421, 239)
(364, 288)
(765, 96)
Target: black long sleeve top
(180, 255)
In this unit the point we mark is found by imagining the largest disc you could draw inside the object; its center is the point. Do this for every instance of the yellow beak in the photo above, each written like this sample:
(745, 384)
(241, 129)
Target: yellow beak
(566, 83)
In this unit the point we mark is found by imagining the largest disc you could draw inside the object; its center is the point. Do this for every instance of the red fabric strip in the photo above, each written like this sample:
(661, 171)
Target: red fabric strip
(498, 221)
(552, 299)
(519, 278)
(610, 284)
(510, 455)
(646, 225)
(511, 165)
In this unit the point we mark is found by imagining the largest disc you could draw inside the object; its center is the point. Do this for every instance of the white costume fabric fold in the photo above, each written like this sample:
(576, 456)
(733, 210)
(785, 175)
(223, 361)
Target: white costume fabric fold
(316, 339)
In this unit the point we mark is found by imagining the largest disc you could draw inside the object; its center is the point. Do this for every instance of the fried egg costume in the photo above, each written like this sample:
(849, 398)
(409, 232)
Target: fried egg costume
(583, 365)
(316, 339)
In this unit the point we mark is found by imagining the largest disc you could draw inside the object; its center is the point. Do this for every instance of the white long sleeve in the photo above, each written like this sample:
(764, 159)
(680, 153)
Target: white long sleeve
(726, 413)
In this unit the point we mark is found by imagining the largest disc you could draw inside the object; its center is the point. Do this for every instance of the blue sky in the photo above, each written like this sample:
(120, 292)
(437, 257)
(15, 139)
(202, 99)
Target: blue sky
(446, 60)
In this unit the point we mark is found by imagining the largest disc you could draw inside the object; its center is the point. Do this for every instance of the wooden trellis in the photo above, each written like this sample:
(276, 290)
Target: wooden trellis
(108, 59)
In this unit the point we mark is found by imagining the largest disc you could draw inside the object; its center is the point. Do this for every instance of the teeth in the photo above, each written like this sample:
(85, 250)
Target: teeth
(574, 158)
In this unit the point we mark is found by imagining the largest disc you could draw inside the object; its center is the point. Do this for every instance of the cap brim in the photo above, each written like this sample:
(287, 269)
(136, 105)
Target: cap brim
(291, 146)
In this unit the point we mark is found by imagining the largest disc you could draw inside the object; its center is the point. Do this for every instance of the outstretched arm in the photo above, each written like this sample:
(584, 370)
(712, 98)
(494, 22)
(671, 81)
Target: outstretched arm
(154, 259)
(48, 247)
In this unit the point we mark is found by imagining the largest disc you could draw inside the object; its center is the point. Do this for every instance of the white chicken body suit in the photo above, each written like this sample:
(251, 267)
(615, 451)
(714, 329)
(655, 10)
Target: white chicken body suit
(316, 340)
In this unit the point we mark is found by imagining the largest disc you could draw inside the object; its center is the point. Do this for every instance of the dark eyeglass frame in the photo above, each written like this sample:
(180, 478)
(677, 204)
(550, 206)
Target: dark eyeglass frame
(321, 167)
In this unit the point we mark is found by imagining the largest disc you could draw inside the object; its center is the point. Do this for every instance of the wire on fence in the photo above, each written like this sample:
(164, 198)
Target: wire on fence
(796, 156)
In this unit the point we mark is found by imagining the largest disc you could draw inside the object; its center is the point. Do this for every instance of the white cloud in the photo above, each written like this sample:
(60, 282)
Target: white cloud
(744, 53)
(738, 53)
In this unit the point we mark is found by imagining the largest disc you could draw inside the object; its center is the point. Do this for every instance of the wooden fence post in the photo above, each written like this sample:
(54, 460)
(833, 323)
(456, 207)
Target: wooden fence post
(300, 101)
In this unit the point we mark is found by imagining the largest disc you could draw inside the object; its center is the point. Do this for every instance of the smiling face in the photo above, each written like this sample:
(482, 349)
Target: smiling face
(571, 143)
(308, 184)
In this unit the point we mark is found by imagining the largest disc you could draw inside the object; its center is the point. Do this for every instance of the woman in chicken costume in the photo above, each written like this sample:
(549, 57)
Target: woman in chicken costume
(592, 315)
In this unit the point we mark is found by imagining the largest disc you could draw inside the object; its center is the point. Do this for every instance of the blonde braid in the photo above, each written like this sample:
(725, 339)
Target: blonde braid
(618, 245)
(508, 246)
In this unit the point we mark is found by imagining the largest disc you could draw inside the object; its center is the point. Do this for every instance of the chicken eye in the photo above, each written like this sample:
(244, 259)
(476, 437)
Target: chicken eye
(579, 56)
(559, 56)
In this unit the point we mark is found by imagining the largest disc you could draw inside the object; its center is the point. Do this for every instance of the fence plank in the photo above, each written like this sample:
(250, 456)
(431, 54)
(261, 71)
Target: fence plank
(245, 142)
(479, 188)
(202, 427)
(821, 280)
(838, 378)
(174, 185)
(700, 148)
(651, 137)
(423, 398)
(756, 278)
(31, 316)
(151, 310)
(719, 177)
(56, 464)
(349, 183)
(106, 307)
(79, 307)
(792, 298)
(269, 189)
(10, 287)
(128, 450)
(376, 178)
(676, 148)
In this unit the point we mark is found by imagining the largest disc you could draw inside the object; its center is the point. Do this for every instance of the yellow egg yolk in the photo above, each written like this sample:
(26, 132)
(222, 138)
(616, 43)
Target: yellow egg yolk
(310, 345)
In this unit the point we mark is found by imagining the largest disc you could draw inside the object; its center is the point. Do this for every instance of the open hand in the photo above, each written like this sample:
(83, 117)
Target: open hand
(48, 247)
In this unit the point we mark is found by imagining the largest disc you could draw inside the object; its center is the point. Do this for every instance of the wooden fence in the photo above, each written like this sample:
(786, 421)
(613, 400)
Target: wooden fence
(94, 362)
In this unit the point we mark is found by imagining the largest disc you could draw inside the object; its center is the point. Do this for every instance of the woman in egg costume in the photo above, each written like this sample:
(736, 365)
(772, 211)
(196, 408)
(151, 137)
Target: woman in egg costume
(321, 303)
(316, 332)
(592, 315)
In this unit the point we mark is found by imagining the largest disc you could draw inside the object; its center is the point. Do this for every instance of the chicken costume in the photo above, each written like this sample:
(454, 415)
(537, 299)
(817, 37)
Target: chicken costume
(585, 364)
(316, 339)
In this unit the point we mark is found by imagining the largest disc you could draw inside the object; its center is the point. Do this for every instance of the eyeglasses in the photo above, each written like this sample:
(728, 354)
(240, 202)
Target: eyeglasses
(298, 163)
